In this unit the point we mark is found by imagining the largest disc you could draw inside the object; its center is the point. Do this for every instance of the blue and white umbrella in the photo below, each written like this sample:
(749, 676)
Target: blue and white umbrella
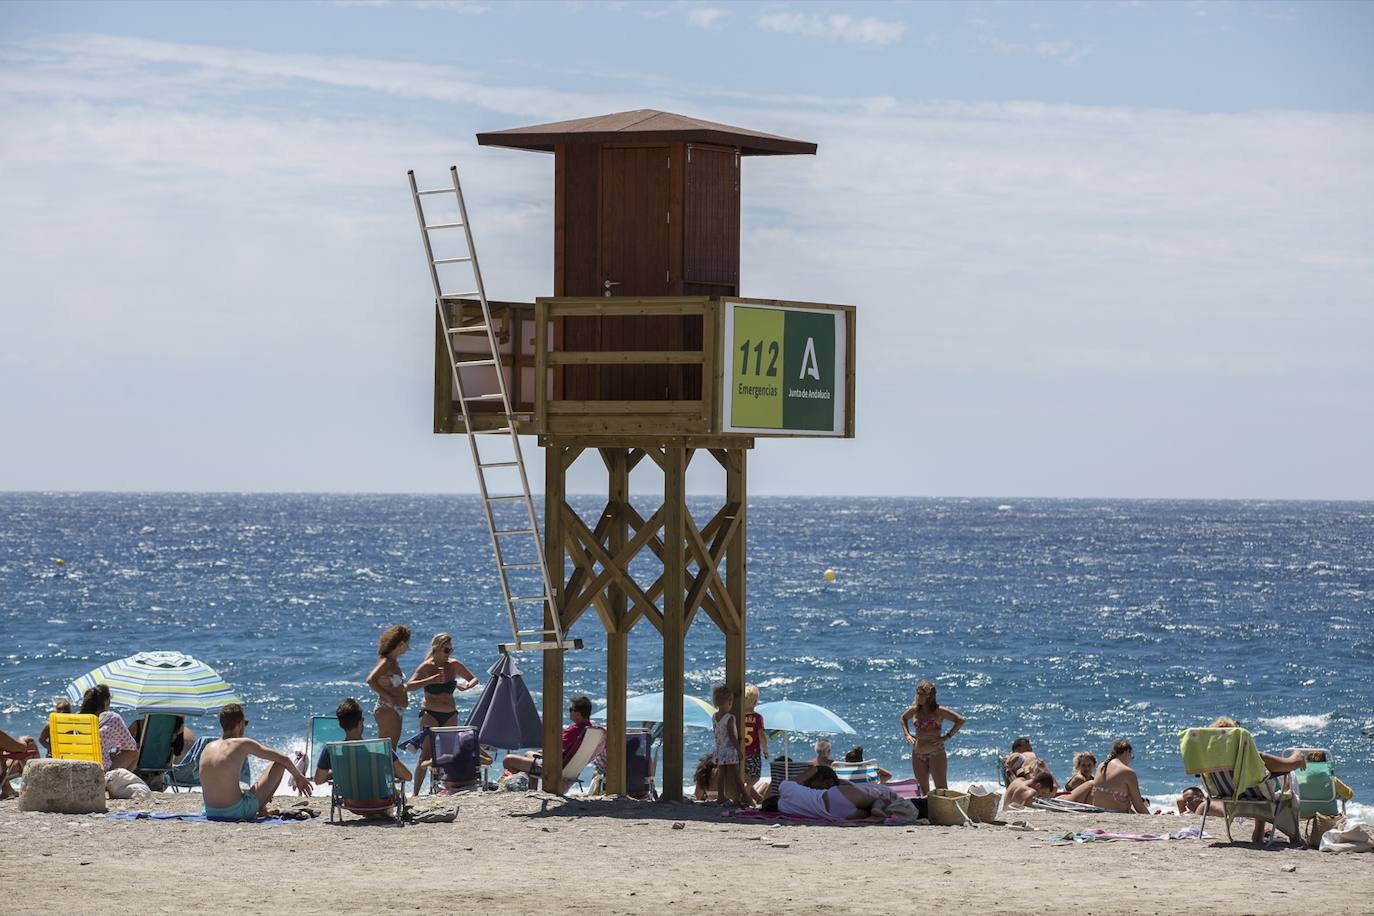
(648, 707)
(159, 682)
(790, 716)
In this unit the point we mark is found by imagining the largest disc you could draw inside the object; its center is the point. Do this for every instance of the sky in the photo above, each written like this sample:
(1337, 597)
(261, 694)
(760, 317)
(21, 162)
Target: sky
(1098, 249)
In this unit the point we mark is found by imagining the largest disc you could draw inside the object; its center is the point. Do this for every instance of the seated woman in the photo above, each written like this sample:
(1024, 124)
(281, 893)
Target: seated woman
(705, 778)
(856, 755)
(1084, 762)
(60, 705)
(14, 754)
(351, 721)
(1027, 787)
(1276, 765)
(1114, 786)
(117, 746)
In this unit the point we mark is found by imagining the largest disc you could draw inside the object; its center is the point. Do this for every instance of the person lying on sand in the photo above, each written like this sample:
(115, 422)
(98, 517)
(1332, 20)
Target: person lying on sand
(1115, 786)
(1027, 787)
(350, 716)
(820, 793)
(221, 762)
(1192, 801)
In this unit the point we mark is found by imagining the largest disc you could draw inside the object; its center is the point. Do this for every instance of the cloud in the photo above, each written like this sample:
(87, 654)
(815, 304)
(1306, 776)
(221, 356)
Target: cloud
(863, 30)
(706, 17)
(1201, 278)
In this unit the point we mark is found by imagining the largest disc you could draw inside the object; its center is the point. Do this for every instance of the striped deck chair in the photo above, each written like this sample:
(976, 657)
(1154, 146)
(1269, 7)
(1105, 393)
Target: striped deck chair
(864, 771)
(1233, 773)
(364, 780)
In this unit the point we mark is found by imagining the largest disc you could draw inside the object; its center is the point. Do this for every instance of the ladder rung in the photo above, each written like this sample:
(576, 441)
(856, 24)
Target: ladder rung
(511, 496)
(500, 464)
(466, 295)
(520, 565)
(452, 260)
(515, 531)
(529, 598)
(468, 328)
(445, 226)
(536, 633)
(542, 646)
(438, 191)
(505, 430)
(465, 363)
(484, 397)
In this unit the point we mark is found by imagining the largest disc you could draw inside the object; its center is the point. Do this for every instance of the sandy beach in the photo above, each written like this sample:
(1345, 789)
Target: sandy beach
(528, 853)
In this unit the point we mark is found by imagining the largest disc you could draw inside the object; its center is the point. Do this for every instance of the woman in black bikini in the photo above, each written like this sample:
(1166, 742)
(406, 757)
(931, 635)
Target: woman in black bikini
(438, 676)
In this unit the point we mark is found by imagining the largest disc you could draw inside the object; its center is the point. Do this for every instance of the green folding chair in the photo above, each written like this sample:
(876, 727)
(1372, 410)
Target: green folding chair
(319, 731)
(155, 748)
(363, 780)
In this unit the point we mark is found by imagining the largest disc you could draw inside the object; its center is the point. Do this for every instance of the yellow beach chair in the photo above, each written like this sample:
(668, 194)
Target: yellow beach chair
(75, 737)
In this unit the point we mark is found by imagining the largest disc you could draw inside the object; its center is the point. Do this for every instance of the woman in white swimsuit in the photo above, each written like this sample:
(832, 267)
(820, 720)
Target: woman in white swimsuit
(388, 682)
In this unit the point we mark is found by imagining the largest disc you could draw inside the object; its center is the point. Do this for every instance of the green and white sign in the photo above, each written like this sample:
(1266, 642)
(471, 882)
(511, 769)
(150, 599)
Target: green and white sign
(787, 370)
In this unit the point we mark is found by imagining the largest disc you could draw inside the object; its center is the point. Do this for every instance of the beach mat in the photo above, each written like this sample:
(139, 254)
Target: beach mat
(199, 818)
(1064, 806)
(905, 788)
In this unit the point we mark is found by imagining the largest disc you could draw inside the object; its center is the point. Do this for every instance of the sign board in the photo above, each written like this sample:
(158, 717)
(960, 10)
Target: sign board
(787, 370)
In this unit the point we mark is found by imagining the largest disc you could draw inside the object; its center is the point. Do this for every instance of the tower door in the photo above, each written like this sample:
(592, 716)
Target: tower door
(634, 221)
(635, 261)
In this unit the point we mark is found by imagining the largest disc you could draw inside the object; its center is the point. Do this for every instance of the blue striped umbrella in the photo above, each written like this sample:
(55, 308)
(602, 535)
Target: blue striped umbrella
(167, 682)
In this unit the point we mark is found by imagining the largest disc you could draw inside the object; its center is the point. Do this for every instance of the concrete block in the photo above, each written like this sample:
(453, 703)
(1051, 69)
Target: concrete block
(63, 787)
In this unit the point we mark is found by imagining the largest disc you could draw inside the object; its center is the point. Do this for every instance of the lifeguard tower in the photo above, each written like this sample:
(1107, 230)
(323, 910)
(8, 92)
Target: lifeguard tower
(645, 351)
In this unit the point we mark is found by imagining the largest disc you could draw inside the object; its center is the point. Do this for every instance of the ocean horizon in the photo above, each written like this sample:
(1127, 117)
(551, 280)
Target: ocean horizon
(1074, 621)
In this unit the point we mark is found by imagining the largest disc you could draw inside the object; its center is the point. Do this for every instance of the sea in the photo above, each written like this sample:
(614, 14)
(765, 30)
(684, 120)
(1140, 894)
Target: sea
(1074, 622)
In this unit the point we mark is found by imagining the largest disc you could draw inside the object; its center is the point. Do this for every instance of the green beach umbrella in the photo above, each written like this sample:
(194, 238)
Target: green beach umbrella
(166, 682)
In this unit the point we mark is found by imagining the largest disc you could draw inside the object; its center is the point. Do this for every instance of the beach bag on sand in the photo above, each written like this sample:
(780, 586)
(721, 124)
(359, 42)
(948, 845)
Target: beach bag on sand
(1318, 826)
(120, 783)
(982, 804)
(949, 808)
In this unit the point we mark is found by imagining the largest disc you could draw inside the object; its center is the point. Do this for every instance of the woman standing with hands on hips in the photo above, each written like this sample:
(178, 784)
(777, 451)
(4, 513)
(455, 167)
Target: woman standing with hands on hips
(438, 676)
(389, 683)
(928, 758)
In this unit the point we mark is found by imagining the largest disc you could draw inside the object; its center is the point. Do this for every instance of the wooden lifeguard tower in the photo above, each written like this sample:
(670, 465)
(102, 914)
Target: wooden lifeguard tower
(645, 351)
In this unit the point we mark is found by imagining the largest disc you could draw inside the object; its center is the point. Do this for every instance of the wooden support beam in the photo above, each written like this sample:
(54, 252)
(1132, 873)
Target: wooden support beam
(674, 620)
(555, 491)
(617, 637)
(611, 567)
(736, 495)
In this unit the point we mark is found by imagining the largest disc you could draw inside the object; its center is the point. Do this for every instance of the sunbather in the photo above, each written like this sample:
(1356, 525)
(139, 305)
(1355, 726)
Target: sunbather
(580, 712)
(14, 754)
(1276, 765)
(1027, 787)
(350, 716)
(820, 793)
(856, 755)
(1022, 755)
(704, 779)
(118, 748)
(221, 762)
(1193, 800)
(823, 751)
(61, 705)
(928, 759)
(1115, 786)
(438, 676)
(1084, 762)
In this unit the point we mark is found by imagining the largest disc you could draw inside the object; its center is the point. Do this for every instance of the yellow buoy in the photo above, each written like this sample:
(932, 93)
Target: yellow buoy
(829, 575)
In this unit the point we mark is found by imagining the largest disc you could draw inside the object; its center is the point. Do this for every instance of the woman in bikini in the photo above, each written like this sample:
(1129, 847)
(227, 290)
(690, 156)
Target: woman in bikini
(1114, 786)
(388, 681)
(928, 759)
(438, 676)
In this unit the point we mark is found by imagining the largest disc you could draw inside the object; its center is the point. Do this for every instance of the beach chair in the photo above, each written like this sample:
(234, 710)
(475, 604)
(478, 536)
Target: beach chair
(864, 771)
(593, 740)
(1233, 773)
(363, 780)
(457, 756)
(319, 731)
(156, 734)
(185, 773)
(75, 737)
(783, 769)
(639, 763)
(1317, 784)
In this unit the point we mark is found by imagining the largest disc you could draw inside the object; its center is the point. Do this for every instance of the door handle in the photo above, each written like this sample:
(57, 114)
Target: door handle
(609, 284)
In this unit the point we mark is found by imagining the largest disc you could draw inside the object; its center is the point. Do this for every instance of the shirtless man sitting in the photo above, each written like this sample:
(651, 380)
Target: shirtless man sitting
(221, 762)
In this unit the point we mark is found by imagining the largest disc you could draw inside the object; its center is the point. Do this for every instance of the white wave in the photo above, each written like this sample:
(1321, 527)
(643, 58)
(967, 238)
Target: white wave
(365, 573)
(1299, 723)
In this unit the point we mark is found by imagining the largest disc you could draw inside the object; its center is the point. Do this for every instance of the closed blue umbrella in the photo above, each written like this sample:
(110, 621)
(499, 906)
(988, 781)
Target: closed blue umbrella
(505, 715)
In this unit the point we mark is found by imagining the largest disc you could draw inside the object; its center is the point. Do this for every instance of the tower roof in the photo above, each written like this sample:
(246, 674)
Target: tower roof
(644, 124)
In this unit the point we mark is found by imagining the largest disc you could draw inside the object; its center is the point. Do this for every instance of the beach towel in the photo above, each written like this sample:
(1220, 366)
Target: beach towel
(171, 816)
(1063, 806)
(1350, 838)
(906, 788)
(1223, 750)
(1111, 836)
(754, 814)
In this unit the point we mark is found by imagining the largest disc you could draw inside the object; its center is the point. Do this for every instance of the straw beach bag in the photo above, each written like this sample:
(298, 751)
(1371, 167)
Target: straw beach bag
(982, 804)
(949, 808)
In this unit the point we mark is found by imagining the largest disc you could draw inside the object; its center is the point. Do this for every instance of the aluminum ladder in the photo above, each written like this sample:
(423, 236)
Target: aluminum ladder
(523, 639)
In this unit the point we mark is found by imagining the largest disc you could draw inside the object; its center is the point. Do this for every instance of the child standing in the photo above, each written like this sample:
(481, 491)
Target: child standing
(755, 744)
(727, 753)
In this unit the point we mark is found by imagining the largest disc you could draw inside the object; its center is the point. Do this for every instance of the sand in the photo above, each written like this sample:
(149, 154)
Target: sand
(530, 853)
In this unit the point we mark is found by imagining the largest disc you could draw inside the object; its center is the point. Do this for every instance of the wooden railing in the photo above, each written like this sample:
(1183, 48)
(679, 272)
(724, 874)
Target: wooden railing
(688, 405)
